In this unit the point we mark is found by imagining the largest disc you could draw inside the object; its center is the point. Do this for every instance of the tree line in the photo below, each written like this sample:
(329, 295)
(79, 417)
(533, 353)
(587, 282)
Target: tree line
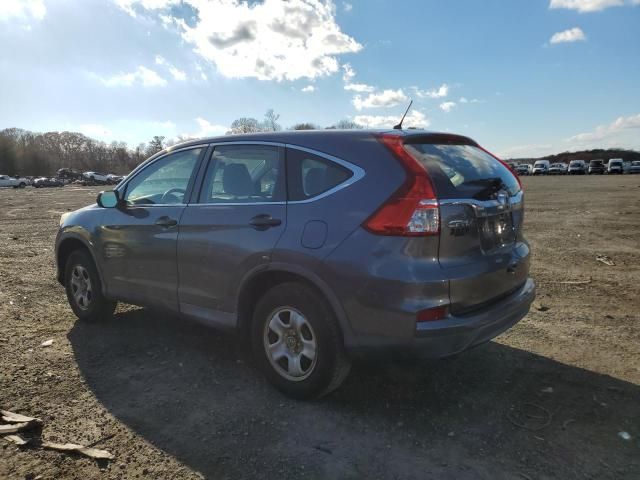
(27, 153)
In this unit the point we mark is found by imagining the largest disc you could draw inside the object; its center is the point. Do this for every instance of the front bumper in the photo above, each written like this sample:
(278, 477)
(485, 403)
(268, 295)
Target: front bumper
(456, 334)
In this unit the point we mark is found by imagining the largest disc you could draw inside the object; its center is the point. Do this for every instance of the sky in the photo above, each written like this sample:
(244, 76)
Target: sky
(524, 78)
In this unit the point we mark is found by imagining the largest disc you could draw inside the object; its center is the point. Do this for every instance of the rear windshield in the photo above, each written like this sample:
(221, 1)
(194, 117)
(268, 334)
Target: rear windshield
(596, 162)
(464, 171)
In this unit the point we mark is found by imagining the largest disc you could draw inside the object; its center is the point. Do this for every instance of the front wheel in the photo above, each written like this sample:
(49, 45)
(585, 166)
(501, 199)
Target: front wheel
(84, 289)
(297, 342)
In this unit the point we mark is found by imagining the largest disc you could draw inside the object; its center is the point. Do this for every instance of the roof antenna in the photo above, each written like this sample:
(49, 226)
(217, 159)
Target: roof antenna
(399, 126)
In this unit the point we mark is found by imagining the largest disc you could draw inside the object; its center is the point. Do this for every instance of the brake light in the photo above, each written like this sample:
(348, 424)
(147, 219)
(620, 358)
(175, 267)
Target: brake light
(413, 209)
(511, 169)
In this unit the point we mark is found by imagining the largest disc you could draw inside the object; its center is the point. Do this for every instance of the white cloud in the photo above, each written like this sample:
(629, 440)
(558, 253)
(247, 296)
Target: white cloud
(22, 9)
(590, 5)
(623, 132)
(309, 89)
(269, 40)
(176, 73)
(128, 5)
(349, 72)
(347, 7)
(440, 92)
(447, 106)
(206, 129)
(142, 75)
(571, 35)
(386, 98)
(95, 130)
(347, 77)
(359, 87)
(414, 118)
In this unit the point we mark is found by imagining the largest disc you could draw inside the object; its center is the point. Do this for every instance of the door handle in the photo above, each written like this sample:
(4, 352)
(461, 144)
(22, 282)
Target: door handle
(166, 222)
(262, 222)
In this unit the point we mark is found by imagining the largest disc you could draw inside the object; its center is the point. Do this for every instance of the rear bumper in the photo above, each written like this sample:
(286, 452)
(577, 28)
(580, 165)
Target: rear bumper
(457, 333)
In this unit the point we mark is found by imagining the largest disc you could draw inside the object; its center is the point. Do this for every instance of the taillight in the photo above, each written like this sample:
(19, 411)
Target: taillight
(413, 209)
(511, 169)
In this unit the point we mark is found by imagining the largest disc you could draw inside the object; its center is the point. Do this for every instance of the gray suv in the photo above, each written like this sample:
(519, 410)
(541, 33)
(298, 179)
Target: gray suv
(313, 246)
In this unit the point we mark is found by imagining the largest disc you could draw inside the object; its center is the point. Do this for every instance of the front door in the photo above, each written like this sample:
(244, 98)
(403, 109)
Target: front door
(139, 238)
(230, 229)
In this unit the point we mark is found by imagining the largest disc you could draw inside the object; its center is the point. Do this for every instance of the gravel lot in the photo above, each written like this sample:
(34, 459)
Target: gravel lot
(172, 399)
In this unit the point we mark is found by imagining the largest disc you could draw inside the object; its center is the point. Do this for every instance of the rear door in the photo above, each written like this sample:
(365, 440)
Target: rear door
(481, 247)
(230, 228)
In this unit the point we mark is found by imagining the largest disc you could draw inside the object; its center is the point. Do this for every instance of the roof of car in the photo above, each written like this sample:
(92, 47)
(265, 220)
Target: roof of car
(298, 136)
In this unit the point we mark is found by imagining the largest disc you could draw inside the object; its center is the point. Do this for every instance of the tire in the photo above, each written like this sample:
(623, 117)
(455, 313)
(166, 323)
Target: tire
(80, 274)
(22, 185)
(303, 318)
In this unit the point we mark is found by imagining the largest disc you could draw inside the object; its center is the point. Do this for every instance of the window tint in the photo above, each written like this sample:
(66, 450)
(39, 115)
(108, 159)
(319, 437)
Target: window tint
(464, 171)
(164, 181)
(310, 175)
(244, 174)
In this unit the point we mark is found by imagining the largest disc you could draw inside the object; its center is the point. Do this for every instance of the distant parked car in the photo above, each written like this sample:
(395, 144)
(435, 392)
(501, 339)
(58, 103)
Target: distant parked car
(596, 166)
(541, 167)
(15, 182)
(558, 169)
(114, 179)
(96, 177)
(577, 167)
(634, 167)
(47, 182)
(69, 174)
(523, 169)
(615, 166)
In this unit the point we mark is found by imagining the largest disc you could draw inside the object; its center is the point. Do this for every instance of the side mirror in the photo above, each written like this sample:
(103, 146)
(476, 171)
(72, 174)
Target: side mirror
(108, 199)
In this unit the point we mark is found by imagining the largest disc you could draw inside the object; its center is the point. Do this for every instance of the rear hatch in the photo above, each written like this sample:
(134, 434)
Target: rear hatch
(481, 215)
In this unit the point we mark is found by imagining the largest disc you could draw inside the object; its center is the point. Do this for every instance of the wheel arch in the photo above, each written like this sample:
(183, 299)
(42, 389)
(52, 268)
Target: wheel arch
(256, 283)
(69, 245)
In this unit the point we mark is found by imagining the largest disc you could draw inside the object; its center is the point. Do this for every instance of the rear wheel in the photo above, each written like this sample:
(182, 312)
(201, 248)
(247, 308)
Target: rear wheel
(84, 289)
(297, 343)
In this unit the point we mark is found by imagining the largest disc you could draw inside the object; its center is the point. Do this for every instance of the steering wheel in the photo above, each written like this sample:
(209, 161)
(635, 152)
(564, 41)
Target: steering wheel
(170, 193)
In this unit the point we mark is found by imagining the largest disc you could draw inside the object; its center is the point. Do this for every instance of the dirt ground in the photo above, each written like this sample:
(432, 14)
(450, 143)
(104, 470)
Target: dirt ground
(172, 399)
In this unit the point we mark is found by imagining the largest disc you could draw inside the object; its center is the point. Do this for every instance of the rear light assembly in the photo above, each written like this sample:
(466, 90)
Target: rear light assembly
(413, 209)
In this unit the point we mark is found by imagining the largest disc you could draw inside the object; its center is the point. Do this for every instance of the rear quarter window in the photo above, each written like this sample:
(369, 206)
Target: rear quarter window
(310, 175)
(464, 171)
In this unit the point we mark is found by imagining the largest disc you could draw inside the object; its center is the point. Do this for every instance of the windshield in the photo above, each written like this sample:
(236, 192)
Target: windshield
(464, 171)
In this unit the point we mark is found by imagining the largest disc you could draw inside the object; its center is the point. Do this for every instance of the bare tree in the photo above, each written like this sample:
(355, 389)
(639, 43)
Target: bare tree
(347, 125)
(155, 145)
(271, 121)
(244, 125)
(305, 126)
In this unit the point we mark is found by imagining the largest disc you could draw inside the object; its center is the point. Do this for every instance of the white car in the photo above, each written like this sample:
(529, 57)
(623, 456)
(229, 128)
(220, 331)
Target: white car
(15, 182)
(96, 177)
(541, 167)
(615, 165)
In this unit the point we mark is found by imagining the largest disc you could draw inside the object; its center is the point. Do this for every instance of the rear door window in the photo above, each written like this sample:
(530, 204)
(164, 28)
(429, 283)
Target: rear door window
(464, 171)
(244, 174)
(310, 175)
